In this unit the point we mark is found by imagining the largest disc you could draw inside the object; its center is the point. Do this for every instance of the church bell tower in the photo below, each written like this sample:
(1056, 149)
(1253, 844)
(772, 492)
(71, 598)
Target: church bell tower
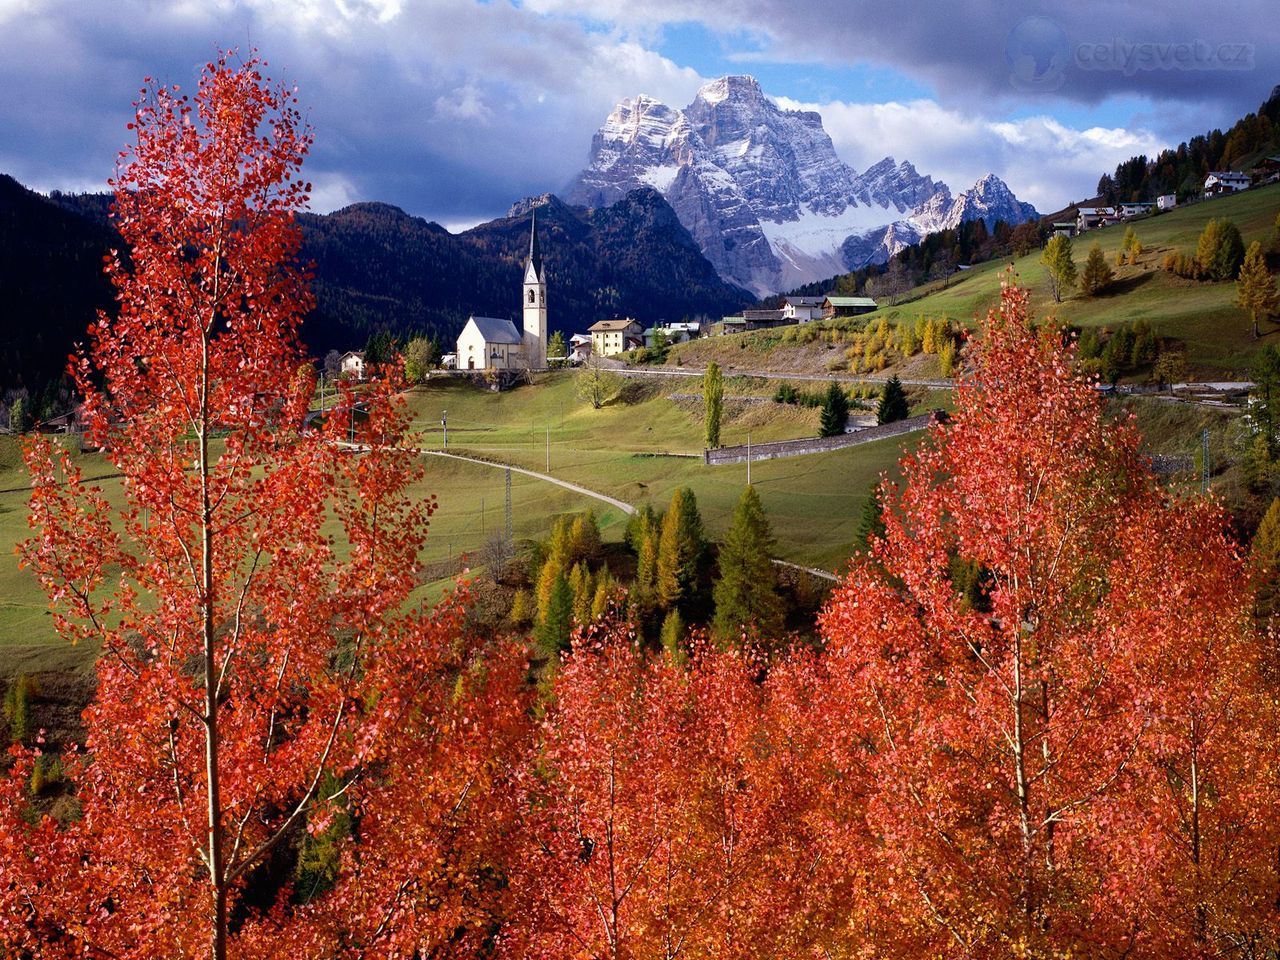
(535, 303)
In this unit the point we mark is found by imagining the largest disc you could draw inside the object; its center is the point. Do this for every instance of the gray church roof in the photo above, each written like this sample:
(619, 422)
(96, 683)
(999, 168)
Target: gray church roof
(497, 331)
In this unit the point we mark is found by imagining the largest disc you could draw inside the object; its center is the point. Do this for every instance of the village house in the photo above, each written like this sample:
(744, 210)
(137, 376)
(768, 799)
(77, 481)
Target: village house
(763, 319)
(834, 307)
(679, 332)
(351, 365)
(1064, 228)
(610, 337)
(579, 347)
(1267, 170)
(1130, 210)
(1166, 201)
(1090, 218)
(1225, 181)
(802, 309)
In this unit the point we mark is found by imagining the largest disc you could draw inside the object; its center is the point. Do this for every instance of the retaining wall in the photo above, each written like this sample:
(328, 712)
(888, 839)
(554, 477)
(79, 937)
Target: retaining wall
(795, 448)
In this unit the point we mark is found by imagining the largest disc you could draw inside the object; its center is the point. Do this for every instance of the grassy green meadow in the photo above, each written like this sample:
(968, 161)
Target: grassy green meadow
(640, 448)
(1202, 316)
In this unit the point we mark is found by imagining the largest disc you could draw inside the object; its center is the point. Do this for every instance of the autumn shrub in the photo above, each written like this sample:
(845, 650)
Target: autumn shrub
(1182, 265)
(785, 393)
(46, 774)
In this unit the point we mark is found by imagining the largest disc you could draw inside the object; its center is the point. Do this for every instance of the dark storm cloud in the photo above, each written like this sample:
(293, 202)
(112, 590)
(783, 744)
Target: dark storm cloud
(452, 108)
(974, 52)
(446, 108)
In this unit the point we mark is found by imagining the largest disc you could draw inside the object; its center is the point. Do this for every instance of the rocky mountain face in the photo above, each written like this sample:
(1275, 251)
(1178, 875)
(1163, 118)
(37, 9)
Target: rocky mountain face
(762, 191)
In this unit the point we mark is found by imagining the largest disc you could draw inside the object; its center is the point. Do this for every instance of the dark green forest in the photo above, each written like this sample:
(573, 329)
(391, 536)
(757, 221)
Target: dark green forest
(376, 269)
(1182, 170)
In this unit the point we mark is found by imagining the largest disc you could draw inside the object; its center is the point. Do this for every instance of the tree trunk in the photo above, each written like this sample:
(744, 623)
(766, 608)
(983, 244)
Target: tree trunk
(217, 869)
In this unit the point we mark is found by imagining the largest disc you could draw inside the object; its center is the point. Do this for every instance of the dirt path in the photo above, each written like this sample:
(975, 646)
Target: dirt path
(612, 501)
(603, 497)
(939, 384)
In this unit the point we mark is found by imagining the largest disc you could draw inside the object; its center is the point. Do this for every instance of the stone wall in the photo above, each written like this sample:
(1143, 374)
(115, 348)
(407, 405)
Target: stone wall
(794, 448)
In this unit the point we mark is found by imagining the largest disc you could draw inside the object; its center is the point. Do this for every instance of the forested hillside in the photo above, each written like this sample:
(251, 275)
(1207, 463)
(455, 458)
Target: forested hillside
(51, 284)
(376, 268)
(1182, 170)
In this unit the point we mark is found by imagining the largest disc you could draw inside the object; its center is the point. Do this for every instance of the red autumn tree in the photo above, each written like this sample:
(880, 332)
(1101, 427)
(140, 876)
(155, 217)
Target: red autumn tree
(258, 669)
(672, 813)
(1036, 654)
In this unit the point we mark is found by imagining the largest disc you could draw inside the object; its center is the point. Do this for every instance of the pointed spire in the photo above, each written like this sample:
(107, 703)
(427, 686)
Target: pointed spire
(535, 254)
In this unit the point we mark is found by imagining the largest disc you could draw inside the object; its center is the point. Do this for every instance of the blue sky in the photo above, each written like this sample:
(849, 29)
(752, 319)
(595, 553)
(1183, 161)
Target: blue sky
(453, 109)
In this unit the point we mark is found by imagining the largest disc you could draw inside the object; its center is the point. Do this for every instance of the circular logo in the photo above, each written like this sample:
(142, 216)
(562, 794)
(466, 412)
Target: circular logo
(1037, 52)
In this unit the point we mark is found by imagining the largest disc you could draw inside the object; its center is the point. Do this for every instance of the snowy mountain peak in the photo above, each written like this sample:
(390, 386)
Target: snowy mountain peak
(762, 190)
(741, 88)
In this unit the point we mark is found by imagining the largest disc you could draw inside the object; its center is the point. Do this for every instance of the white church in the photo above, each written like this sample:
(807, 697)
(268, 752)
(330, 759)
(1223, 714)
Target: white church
(487, 343)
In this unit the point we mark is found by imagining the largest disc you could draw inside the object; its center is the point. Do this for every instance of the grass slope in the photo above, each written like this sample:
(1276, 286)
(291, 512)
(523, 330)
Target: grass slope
(639, 449)
(1202, 316)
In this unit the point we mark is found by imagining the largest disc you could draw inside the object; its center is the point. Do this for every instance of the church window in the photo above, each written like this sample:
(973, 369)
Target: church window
(531, 296)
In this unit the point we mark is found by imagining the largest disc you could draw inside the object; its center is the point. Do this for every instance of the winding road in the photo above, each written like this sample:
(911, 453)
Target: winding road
(603, 497)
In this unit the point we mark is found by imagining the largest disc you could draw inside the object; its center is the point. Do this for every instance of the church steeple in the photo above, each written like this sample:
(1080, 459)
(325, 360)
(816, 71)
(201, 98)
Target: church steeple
(535, 302)
(534, 259)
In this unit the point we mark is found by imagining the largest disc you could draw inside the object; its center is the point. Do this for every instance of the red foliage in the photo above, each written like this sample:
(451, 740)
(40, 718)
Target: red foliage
(1032, 738)
(248, 599)
(675, 815)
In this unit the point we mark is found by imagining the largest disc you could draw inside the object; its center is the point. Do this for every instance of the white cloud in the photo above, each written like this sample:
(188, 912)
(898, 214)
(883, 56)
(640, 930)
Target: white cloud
(1045, 162)
(331, 191)
(464, 103)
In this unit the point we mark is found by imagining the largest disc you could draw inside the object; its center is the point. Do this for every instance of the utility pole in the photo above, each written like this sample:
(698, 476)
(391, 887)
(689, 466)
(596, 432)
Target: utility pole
(444, 422)
(1204, 461)
(507, 530)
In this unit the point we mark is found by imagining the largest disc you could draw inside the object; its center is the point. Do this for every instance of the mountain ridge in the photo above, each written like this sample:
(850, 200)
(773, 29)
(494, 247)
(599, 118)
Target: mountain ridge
(762, 190)
(376, 267)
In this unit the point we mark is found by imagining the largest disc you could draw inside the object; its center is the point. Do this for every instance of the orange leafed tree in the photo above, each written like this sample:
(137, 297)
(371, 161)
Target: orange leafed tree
(258, 670)
(1052, 665)
(674, 812)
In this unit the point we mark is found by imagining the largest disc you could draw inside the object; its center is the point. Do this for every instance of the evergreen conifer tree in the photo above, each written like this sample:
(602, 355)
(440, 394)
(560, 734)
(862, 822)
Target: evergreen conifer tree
(557, 621)
(1097, 274)
(746, 592)
(1256, 288)
(680, 547)
(1220, 250)
(871, 522)
(20, 416)
(835, 411)
(893, 402)
(556, 349)
(712, 403)
(673, 636)
(1058, 261)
